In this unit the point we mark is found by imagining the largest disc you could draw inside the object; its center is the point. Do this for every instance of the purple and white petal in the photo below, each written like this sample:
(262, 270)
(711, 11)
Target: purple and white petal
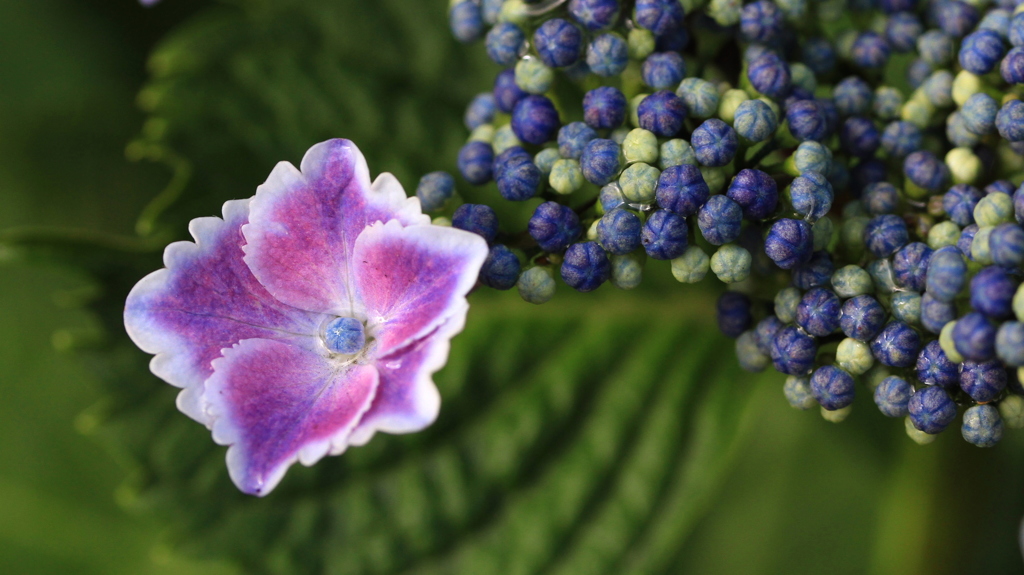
(205, 300)
(304, 225)
(275, 404)
(407, 399)
(411, 280)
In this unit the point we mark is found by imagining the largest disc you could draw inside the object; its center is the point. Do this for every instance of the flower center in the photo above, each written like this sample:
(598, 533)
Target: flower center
(344, 335)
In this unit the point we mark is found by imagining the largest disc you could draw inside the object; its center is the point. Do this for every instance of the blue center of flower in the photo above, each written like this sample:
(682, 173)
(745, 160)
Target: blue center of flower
(345, 335)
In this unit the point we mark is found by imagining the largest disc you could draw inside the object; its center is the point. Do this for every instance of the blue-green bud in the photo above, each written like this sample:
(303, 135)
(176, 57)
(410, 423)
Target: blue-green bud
(640, 145)
(627, 270)
(943, 234)
(798, 392)
(1011, 409)
(639, 183)
(836, 415)
(640, 43)
(786, 302)
(504, 138)
(947, 345)
(851, 281)
(545, 160)
(566, 176)
(993, 209)
(750, 357)
(692, 266)
(731, 263)
(676, 152)
(536, 285)
(854, 356)
(823, 230)
(533, 77)
(906, 307)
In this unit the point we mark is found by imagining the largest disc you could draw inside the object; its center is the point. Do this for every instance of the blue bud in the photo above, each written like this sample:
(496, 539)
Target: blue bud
(893, 395)
(573, 138)
(663, 70)
(682, 189)
(918, 71)
(344, 335)
(466, 21)
(558, 43)
(595, 14)
(700, 96)
(756, 192)
(476, 161)
(902, 31)
(480, 111)
(769, 74)
(982, 381)
(664, 236)
(807, 120)
(663, 114)
(933, 367)
(720, 220)
(979, 113)
(956, 18)
(793, 352)
(974, 337)
(601, 161)
(585, 266)
(477, 218)
(910, 266)
(860, 137)
(935, 313)
(1010, 343)
(881, 198)
(947, 272)
(931, 409)
(761, 21)
(733, 313)
(870, 50)
(1006, 244)
(897, 345)
(852, 96)
(1012, 66)
(659, 16)
(517, 177)
(754, 120)
(811, 156)
(814, 273)
(618, 231)
(501, 268)
(885, 234)
(789, 243)
(714, 143)
(604, 108)
(926, 171)
(1010, 121)
(980, 51)
(607, 55)
(554, 226)
(434, 190)
(811, 195)
(818, 312)
(982, 426)
(832, 387)
(504, 42)
(992, 292)
(765, 331)
(959, 203)
(819, 55)
(535, 120)
(506, 92)
(900, 139)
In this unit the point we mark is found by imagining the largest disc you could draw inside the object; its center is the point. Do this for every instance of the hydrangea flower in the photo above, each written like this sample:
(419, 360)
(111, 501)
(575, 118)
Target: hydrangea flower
(310, 317)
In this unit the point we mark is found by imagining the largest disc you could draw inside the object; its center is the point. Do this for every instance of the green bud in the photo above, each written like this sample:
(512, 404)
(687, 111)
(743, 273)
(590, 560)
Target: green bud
(1018, 304)
(919, 437)
(639, 183)
(504, 138)
(917, 112)
(634, 106)
(943, 234)
(980, 250)
(906, 307)
(994, 209)
(803, 77)
(875, 375)
(965, 85)
(676, 152)
(725, 12)
(545, 160)
(640, 145)
(786, 302)
(946, 343)
(798, 392)
(692, 266)
(731, 263)
(823, 229)
(627, 270)
(536, 285)
(619, 134)
(566, 176)
(441, 221)
(1011, 409)
(851, 234)
(731, 100)
(640, 43)
(592, 230)
(851, 281)
(533, 77)
(964, 165)
(715, 178)
(838, 415)
(854, 356)
(516, 12)
(482, 133)
(750, 357)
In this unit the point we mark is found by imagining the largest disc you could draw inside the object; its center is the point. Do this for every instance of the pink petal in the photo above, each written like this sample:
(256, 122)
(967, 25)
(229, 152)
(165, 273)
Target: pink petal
(413, 279)
(304, 225)
(407, 399)
(276, 404)
(206, 300)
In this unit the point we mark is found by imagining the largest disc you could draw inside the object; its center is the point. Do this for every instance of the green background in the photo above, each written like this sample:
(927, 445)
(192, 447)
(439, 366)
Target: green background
(668, 459)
